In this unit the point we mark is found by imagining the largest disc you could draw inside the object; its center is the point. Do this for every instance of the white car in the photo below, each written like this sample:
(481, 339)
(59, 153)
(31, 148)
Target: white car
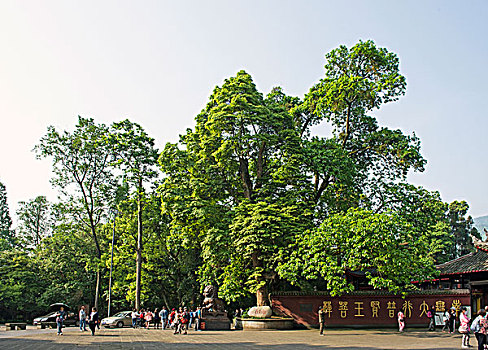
(118, 320)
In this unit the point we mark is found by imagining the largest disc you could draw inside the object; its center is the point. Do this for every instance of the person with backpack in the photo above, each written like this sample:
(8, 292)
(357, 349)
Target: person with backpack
(431, 317)
(60, 316)
(480, 327)
(184, 320)
(198, 316)
(464, 328)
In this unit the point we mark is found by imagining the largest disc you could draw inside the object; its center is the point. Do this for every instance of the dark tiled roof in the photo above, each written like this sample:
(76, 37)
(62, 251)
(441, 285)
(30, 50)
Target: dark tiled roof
(374, 292)
(472, 262)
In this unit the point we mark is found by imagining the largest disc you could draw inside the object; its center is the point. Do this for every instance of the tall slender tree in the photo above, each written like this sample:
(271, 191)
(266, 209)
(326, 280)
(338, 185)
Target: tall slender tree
(7, 237)
(82, 172)
(137, 158)
(35, 221)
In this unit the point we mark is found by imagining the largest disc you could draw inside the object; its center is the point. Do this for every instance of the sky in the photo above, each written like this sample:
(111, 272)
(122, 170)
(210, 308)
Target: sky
(157, 62)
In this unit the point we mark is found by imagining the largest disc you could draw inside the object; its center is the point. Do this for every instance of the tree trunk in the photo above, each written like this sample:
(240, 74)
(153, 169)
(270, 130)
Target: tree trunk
(99, 256)
(97, 288)
(245, 177)
(262, 296)
(261, 293)
(139, 245)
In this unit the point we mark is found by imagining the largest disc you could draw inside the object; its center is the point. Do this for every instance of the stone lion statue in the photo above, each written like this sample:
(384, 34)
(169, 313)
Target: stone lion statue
(212, 301)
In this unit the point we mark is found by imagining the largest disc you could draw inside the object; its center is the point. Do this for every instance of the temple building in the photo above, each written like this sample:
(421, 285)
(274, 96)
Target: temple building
(462, 282)
(469, 271)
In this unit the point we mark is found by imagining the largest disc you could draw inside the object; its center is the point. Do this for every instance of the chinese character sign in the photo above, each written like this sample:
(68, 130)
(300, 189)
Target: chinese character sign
(375, 307)
(343, 308)
(327, 307)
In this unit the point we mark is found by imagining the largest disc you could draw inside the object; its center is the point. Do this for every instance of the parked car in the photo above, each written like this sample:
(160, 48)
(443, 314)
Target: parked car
(118, 320)
(70, 320)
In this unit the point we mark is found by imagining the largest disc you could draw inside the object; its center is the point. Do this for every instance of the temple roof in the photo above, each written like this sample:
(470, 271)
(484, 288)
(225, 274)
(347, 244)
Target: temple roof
(472, 262)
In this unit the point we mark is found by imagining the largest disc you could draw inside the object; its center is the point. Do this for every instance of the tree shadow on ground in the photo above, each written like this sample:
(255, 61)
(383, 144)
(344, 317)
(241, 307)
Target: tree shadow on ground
(16, 343)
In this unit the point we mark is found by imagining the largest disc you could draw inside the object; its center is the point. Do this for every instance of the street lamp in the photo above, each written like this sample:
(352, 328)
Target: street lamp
(114, 212)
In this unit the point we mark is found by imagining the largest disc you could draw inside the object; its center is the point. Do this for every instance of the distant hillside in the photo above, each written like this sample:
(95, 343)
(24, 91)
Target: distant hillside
(480, 223)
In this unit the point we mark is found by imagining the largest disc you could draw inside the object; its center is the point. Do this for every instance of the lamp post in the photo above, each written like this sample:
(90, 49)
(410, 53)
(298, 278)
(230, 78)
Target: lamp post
(115, 212)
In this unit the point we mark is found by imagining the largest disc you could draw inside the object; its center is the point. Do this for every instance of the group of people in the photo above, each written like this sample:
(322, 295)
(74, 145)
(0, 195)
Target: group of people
(92, 320)
(478, 326)
(84, 318)
(180, 320)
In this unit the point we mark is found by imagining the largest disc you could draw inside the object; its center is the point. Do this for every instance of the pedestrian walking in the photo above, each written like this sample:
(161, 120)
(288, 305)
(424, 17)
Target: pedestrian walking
(401, 321)
(172, 318)
(431, 317)
(191, 316)
(445, 318)
(135, 316)
(452, 320)
(184, 320)
(148, 318)
(156, 318)
(82, 317)
(60, 316)
(321, 320)
(463, 328)
(177, 321)
(198, 317)
(93, 321)
(141, 318)
(479, 328)
(163, 314)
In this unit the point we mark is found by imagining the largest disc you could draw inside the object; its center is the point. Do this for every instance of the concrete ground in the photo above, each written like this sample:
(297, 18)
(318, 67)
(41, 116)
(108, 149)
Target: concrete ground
(127, 338)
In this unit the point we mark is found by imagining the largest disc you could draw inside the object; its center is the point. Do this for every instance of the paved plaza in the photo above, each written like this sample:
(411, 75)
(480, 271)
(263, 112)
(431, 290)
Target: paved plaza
(127, 338)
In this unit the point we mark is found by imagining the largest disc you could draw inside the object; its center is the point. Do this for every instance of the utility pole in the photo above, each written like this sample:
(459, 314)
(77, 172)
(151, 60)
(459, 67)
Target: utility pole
(111, 266)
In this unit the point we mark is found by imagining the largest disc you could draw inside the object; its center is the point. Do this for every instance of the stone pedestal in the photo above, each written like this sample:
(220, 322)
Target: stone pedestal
(257, 324)
(216, 320)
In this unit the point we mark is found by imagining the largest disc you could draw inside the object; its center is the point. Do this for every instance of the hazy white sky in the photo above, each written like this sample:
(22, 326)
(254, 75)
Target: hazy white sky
(156, 63)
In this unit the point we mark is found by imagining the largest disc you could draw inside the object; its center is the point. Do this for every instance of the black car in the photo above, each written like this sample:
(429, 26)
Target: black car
(70, 320)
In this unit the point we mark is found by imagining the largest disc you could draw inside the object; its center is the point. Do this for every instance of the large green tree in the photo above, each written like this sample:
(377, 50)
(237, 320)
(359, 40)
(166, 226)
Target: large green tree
(81, 162)
(235, 167)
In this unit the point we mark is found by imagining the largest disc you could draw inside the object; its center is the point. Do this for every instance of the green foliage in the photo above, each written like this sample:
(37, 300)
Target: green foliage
(35, 221)
(21, 285)
(357, 81)
(67, 259)
(82, 173)
(168, 269)
(382, 245)
(81, 165)
(461, 229)
(7, 236)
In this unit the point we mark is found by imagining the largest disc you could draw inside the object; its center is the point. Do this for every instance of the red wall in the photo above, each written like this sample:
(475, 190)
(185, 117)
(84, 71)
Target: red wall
(361, 310)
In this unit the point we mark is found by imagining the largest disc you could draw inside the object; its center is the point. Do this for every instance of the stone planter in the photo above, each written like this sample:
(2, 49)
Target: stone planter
(257, 324)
